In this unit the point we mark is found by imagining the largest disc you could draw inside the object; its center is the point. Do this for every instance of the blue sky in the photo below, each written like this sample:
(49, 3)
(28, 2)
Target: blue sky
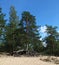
(46, 11)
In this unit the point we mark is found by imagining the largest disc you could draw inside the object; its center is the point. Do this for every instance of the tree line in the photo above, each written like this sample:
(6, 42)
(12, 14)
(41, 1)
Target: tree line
(23, 33)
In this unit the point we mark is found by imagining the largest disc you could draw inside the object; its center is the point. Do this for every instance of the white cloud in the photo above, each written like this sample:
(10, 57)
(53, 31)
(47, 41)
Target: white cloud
(44, 44)
(43, 29)
(40, 38)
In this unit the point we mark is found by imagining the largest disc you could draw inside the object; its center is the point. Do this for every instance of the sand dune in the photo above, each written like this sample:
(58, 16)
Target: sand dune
(23, 61)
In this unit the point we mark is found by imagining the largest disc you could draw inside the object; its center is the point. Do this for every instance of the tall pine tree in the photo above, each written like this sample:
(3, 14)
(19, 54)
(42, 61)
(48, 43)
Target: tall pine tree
(31, 36)
(2, 25)
(10, 29)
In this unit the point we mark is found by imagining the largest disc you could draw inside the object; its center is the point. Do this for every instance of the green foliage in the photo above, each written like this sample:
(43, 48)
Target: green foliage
(51, 40)
(29, 26)
(24, 34)
(10, 30)
(2, 26)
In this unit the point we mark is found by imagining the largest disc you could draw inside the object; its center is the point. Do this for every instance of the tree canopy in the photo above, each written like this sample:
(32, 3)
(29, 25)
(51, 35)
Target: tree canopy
(22, 33)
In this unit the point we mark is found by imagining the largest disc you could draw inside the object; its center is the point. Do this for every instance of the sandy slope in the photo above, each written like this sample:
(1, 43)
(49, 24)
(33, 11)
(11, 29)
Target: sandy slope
(23, 61)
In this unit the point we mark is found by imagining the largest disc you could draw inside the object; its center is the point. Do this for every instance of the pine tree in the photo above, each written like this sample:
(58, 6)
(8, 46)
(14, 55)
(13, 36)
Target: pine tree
(2, 25)
(31, 35)
(10, 29)
(51, 39)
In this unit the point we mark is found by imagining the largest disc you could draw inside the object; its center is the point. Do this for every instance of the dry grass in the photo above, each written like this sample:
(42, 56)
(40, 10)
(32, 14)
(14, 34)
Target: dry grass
(51, 59)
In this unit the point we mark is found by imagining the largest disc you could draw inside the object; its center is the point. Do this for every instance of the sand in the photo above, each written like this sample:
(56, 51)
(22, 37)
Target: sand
(8, 60)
